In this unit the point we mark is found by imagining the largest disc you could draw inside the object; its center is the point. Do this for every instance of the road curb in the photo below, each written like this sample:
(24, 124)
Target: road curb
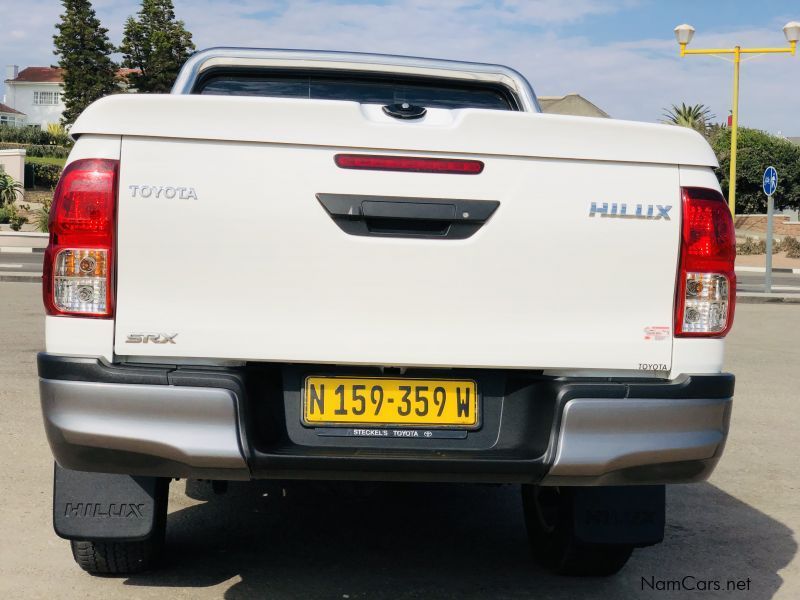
(764, 270)
(761, 298)
(20, 250)
(28, 234)
(21, 277)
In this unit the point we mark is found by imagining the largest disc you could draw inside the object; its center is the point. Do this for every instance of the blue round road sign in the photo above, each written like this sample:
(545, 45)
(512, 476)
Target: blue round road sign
(770, 183)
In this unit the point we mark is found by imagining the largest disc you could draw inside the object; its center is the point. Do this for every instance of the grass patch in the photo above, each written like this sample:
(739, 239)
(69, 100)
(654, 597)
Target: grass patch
(46, 160)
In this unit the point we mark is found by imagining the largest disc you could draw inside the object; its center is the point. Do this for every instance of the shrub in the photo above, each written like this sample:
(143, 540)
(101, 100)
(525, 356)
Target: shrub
(751, 246)
(56, 130)
(17, 221)
(14, 218)
(46, 175)
(33, 135)
(41, 216)
(5, 215)
(38, 150)
(791, 246)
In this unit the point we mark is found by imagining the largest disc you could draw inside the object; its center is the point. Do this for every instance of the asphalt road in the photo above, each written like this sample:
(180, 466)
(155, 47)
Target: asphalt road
(379, 541)
(781, 282)
(21, 262)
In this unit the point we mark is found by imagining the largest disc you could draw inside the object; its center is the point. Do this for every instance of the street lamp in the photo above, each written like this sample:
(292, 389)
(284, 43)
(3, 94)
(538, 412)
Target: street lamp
(792, 32)
(684, 34)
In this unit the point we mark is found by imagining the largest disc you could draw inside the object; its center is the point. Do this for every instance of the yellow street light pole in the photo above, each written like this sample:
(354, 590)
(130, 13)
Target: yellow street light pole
(684, 34)
(734, 129)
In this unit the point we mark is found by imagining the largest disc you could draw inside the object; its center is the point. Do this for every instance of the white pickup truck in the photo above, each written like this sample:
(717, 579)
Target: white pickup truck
(319, 265)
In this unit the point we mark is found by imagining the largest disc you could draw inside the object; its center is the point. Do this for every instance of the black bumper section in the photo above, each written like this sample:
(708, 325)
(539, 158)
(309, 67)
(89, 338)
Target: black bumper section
(522, 412)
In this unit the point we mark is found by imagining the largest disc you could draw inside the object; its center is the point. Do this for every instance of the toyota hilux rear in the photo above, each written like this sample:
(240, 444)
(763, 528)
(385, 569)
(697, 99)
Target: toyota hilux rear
(336, 266)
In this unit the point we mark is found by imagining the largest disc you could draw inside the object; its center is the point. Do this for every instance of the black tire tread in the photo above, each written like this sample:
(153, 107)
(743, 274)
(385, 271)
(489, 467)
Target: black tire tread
(559, 551)
(114, 558)
(126, 558)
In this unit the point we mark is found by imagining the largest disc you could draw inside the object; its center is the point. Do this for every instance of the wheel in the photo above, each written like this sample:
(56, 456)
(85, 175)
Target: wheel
(116, 558)
(549, 521)
(125, 558)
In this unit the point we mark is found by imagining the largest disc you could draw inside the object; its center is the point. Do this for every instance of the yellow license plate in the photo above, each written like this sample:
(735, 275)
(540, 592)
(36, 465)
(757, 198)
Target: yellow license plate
(391, 402)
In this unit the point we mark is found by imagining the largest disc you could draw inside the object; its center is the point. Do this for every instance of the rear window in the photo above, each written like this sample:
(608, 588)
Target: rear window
(365, 89)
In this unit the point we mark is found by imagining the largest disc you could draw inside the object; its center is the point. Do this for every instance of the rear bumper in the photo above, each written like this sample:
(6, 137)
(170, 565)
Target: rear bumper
(154, 429)
(244, 423)
(617, 441)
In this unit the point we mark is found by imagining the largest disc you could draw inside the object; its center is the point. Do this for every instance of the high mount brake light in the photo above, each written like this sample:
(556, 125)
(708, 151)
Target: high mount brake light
(373, 162)
(78, 262)
(706, 290)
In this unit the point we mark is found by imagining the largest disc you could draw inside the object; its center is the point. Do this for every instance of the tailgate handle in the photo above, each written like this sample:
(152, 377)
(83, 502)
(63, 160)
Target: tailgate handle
(392, 216)
(407, 210)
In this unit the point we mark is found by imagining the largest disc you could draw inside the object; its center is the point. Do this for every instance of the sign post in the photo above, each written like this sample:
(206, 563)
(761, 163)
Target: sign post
(769, 185)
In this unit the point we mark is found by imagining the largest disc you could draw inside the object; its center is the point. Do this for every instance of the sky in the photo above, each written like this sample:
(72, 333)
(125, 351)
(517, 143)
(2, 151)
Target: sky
(619, 54)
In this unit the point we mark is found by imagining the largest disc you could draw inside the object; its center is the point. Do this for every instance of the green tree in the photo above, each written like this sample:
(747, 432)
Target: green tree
(157, 45)
(85, 55)
(756, 151)
(695, 116)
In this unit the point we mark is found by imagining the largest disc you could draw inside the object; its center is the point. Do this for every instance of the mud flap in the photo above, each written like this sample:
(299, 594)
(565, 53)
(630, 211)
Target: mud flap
(106, 507)
(620, 514)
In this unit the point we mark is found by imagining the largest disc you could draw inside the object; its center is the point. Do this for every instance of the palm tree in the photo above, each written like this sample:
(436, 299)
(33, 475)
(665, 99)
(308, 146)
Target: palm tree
(695, 116)
(9, 189)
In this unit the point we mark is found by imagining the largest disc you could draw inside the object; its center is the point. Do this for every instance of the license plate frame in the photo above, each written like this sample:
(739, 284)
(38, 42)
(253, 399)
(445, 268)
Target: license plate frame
(395, 385)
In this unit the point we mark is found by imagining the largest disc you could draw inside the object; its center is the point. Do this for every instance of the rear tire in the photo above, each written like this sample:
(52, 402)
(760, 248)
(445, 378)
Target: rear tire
(549, 521)
(126, 558)
(115, 558)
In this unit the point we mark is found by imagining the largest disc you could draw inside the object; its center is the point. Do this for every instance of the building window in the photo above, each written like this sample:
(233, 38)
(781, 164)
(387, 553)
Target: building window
(6, 120)
(48, 98)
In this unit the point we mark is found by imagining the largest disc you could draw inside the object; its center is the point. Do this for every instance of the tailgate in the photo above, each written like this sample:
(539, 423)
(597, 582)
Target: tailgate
(246, 263)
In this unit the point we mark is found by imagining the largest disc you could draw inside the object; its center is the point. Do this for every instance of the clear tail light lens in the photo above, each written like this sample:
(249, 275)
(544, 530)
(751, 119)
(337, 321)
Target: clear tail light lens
(706, 290)
(706, 303)
(80, 281)
(78, 266)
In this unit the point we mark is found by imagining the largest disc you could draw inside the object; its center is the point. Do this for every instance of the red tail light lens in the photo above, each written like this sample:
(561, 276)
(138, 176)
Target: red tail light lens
(78, 263)
(706, 290)
(409, 163)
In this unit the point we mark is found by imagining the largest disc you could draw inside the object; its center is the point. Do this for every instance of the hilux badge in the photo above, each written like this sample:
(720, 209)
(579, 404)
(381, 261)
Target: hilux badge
(637, 211)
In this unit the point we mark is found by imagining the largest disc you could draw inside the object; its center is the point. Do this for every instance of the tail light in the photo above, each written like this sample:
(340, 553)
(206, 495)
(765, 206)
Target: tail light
(706, 290)
(375, 162)
(78, 263)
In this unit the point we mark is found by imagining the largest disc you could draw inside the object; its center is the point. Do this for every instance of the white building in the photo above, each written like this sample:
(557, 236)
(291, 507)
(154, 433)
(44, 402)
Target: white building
(35, 92)
(10, 116)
